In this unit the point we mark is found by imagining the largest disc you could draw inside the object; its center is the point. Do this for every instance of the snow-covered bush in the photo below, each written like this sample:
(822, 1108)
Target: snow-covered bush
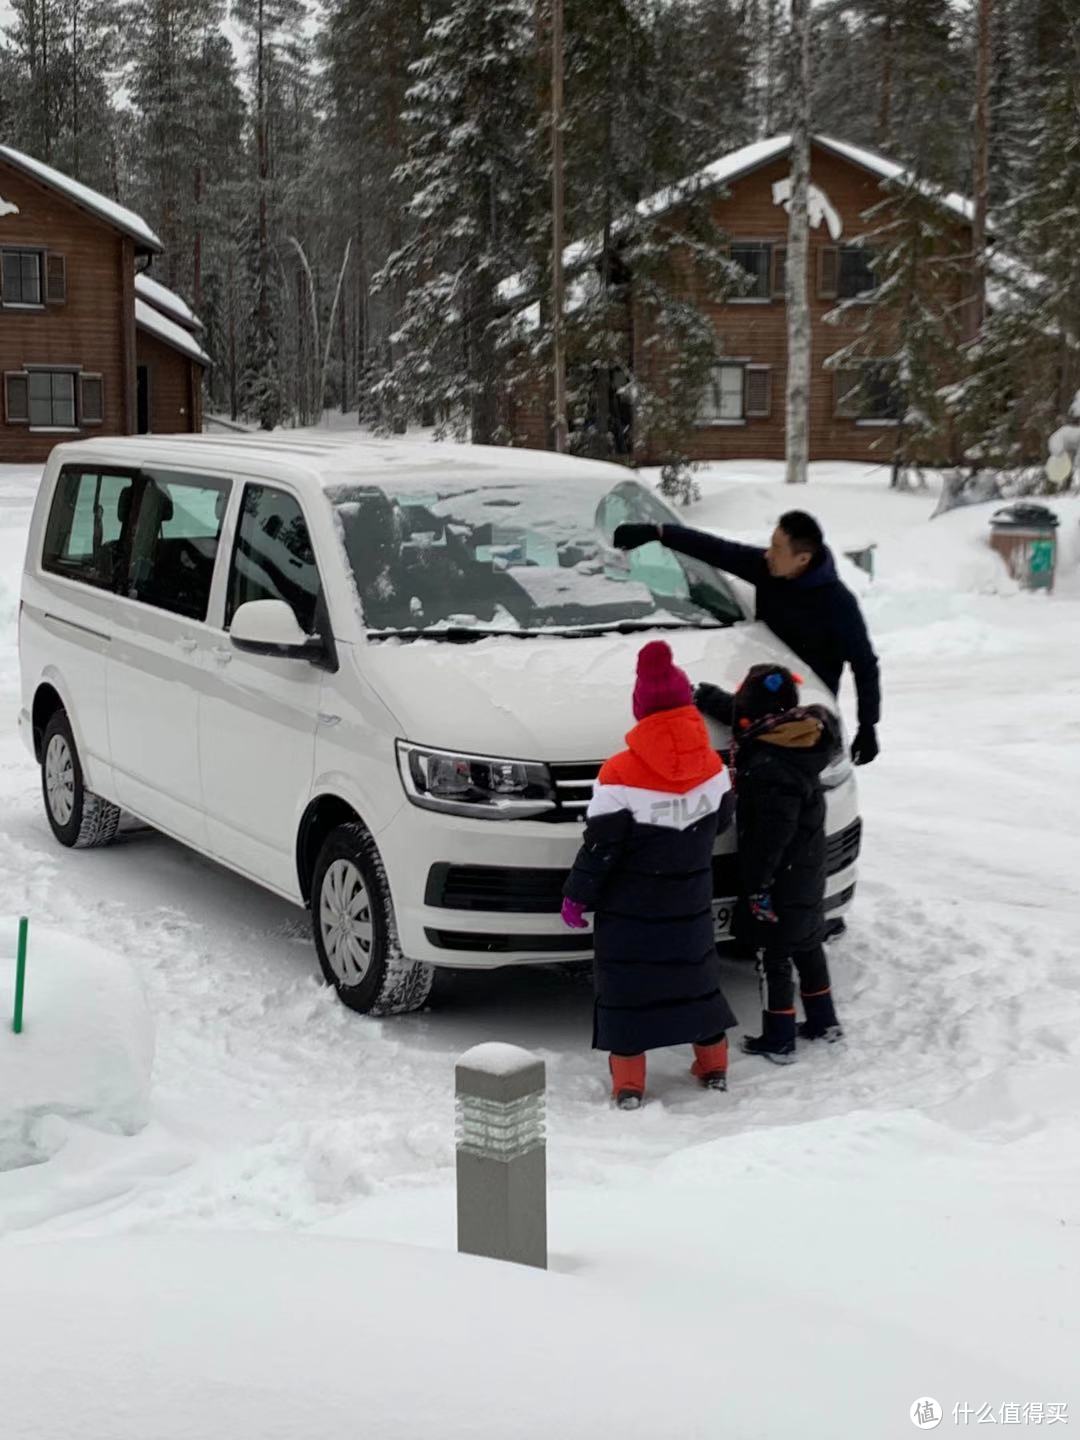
(678, 483)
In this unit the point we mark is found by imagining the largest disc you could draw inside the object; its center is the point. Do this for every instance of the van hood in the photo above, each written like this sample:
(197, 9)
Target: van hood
(553, 699)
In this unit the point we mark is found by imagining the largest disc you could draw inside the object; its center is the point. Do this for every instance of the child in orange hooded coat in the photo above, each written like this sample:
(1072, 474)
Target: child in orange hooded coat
(645, 868)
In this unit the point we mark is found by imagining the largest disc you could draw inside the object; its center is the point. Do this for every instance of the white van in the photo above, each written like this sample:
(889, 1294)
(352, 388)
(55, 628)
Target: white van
(377, 678)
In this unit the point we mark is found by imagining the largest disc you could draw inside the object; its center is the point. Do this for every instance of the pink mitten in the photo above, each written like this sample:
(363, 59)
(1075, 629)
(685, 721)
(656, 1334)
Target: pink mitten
(573, 915)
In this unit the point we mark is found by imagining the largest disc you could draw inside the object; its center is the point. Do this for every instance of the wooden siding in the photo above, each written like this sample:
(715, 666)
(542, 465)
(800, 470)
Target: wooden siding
(756, 331)
(175, 391)
(88, 330)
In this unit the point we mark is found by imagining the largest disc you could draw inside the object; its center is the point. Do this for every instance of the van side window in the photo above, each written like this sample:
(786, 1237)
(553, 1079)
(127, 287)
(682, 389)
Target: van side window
(89, 526)
(175, 543)
(274, 559)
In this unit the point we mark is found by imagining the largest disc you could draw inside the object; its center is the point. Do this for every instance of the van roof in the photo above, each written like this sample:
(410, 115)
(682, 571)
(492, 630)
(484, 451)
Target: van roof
(332, 458)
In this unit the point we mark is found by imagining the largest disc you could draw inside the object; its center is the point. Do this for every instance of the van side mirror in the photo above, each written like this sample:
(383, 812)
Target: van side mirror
(269, 627)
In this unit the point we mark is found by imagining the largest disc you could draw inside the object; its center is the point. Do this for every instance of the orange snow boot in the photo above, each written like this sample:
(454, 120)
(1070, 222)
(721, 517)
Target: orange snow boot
(710, 1064)
(627, 1080)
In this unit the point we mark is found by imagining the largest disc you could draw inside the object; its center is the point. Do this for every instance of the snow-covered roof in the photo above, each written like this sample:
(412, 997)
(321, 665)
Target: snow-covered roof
(340, 457)
(730, 167)
(960, 205)
(97, 204)
(168, 302)
(166, 330)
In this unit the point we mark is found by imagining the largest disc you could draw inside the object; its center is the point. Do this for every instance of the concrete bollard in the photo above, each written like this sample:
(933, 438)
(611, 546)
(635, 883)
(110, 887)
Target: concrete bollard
(501, 1155)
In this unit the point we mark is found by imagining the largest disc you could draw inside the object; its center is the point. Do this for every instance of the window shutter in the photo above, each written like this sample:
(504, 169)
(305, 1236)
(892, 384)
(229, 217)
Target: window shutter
(759, 392)
(828, 272)
(17, 399)
(55, 279)
(91, 400)
(847, 393)
(779, 271)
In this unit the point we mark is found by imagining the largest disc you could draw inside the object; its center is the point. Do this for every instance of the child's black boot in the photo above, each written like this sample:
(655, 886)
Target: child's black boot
(821, 1022)
(777, 1040)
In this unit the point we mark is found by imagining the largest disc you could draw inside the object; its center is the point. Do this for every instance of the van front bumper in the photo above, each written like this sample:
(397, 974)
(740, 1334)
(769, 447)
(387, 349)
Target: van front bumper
(482, 894)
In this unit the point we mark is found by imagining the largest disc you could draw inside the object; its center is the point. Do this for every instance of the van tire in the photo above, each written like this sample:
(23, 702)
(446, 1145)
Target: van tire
(355, 930)
(78, 818)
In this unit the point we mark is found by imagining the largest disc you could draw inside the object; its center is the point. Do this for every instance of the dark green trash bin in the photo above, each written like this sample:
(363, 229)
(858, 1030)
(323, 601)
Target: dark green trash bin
(1025, 536)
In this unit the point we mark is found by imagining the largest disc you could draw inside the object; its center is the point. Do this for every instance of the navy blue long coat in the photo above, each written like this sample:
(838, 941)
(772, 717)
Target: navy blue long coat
(645, 868)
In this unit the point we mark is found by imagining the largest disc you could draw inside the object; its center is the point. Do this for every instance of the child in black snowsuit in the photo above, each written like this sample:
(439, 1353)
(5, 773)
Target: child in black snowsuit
(779, 750)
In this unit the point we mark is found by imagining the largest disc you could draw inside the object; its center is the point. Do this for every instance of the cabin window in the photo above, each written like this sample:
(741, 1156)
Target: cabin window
(20, 277)
(52, 399)
(869, 392)
(756, 259)
(736, 391)
(855, 275)
(723, 400)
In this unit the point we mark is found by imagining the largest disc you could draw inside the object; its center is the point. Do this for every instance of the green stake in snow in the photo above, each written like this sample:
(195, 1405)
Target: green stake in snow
(20, 975)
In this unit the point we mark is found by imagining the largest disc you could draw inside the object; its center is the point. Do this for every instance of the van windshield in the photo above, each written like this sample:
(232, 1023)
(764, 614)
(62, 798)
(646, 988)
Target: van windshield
(458, 561)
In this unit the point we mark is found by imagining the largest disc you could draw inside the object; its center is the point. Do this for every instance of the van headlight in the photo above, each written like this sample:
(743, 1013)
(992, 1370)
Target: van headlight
(838, 772)
(478, 785)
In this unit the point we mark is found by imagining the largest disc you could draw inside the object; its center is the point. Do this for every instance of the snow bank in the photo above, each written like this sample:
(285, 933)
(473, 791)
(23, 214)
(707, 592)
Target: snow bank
(86, 1050)
(275, 1337)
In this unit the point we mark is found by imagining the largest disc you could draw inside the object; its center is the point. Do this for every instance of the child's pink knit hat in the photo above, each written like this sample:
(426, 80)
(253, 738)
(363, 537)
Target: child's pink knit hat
(661, 685)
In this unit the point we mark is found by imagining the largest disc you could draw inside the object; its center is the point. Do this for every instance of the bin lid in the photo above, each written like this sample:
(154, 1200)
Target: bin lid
(1024, 516)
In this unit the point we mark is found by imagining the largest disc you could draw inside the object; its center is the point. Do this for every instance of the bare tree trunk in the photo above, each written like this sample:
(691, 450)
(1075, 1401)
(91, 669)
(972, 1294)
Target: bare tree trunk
(263, 162)
(234, 393)
(888, 66)
(197, 247)
(75, 134)
(330, 327)
(46, 88)
(798, 303)
(558, 355)
(343, 341)
(982, 162)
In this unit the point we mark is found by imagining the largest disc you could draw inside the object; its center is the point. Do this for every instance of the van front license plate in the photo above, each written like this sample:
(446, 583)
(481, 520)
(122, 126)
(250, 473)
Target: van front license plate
(723, 915)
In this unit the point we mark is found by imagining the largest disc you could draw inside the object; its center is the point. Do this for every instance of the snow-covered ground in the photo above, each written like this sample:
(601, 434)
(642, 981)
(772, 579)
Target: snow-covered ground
(272, 1252)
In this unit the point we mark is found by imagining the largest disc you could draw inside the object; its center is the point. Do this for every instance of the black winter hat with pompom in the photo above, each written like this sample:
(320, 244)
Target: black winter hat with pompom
(767, 690)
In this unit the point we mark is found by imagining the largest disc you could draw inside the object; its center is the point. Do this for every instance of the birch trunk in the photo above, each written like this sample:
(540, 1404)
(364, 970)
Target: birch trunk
(982, 161)
(798, 303)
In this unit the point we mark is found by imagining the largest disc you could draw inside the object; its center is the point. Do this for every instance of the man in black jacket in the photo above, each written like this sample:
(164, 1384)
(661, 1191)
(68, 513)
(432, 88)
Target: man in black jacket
(801, 599)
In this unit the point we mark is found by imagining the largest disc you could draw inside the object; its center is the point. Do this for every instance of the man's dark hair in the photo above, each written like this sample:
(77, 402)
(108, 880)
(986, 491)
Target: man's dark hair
(803, 531)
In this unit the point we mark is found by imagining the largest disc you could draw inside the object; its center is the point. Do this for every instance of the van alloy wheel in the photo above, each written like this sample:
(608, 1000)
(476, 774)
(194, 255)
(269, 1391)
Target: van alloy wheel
(345, 917)
(355, 930)
(77, 817)
(60, 780)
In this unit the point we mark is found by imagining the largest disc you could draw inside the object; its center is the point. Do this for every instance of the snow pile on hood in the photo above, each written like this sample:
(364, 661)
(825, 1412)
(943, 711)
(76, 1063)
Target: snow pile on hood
(86, 1050)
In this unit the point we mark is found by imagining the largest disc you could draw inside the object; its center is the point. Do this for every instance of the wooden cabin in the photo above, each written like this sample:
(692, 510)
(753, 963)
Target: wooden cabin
(854, 411)
(89, 344)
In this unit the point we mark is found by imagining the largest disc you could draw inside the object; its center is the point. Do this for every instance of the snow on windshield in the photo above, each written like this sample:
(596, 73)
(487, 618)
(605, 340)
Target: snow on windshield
(516, 556)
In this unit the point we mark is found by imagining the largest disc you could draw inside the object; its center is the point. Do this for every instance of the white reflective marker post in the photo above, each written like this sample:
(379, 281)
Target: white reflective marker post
(501, 1155)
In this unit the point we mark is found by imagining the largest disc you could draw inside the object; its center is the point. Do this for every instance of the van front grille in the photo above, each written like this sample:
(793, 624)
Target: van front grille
(843, 849)
(573, 790)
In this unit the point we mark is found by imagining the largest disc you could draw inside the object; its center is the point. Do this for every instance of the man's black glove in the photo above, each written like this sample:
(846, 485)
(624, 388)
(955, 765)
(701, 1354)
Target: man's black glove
(865, 747)
(630, 537)
(715, 702)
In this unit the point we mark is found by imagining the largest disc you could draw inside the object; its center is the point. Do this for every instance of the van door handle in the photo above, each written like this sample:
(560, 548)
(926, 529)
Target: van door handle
(187, 644)
(222, 654)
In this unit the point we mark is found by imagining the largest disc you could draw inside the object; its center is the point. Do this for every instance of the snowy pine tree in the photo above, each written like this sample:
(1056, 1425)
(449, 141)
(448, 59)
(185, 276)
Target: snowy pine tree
(471, 177)
(1025, 369)
(911, 331)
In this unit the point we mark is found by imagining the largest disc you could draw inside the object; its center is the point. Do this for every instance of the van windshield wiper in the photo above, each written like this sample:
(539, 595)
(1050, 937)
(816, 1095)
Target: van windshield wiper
(455, 634)
(465, 634)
